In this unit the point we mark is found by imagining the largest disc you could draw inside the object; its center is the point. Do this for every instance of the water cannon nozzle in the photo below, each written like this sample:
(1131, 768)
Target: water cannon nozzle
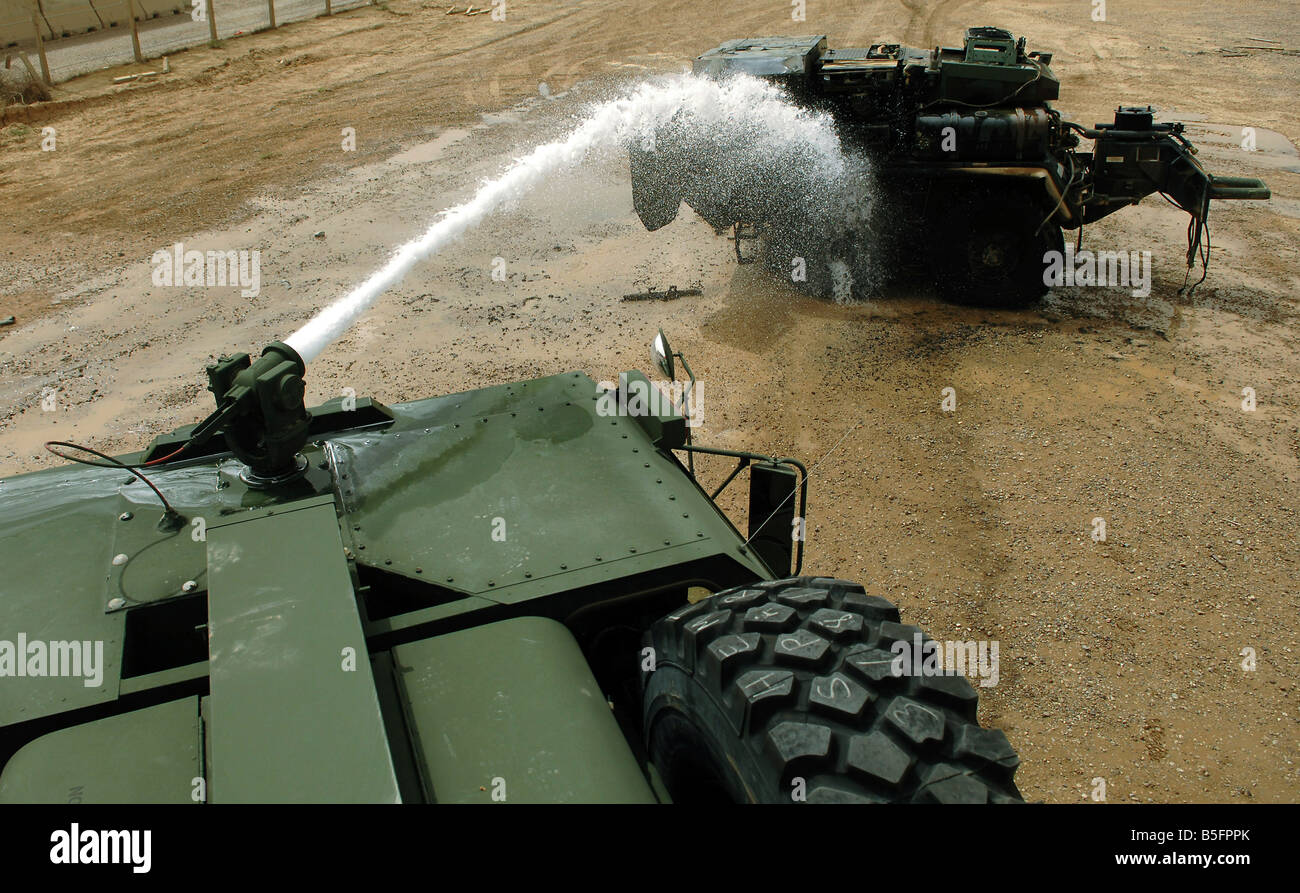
(260, 411)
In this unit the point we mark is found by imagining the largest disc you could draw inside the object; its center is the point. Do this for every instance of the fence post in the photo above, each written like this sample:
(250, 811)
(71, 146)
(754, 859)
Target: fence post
(270, 9)
(40, 45)
(98, 17)
(135, 34)
(212, 20)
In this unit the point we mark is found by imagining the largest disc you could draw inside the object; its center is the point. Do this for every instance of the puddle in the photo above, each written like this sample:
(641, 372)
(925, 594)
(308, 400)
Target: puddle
(1272, 149)
(430, 151)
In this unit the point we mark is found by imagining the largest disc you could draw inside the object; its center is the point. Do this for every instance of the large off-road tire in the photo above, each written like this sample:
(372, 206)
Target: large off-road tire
(766, 692)
(987, 249)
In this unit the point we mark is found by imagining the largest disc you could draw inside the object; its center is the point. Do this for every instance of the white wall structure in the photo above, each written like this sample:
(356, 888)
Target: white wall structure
(69, 18)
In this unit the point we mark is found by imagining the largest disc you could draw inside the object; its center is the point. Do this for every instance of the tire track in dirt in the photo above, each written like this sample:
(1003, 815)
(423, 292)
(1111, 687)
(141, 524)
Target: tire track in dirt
(1144, 438)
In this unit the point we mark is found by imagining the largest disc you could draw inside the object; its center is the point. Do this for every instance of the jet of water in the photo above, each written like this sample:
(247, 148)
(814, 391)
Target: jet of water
(738, 104)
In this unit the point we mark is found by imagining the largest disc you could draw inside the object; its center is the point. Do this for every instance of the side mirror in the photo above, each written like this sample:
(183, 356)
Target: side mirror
(662, 355)
(774, 507)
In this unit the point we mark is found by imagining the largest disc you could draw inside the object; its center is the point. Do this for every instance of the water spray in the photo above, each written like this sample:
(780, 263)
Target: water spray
(737, 104)
(260, 411)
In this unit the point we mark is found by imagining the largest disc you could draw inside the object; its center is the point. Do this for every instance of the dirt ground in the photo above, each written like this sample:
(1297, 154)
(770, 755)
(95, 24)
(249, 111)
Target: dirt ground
(1120, 660)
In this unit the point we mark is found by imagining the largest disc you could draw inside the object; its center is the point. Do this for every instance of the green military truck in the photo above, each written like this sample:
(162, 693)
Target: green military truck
(521, 593)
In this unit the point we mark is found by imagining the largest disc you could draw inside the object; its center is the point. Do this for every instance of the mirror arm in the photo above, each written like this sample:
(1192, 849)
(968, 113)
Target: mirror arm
(686, 402)
(745, 458)
(740, 466)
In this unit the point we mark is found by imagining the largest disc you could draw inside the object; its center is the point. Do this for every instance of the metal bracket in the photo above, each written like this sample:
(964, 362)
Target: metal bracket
(744, 460)
(745, 232)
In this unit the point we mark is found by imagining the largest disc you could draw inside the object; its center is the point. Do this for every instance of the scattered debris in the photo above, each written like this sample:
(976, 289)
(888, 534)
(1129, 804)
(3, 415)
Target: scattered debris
(133, 77)
(672, 294)
(1238, 50)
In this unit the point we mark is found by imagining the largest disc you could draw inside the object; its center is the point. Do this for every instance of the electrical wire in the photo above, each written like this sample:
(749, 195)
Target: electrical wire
(1198, 250)
(1197, 227)
(988, 105)
(1069, 184)
(111, 463)
(114, 463)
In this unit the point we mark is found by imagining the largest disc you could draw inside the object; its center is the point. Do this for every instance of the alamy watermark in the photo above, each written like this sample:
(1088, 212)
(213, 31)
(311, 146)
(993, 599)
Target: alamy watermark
(176, 267)
(89, 847)
(1125, 269)
(57, 658)
(639, 398)
(933, 658)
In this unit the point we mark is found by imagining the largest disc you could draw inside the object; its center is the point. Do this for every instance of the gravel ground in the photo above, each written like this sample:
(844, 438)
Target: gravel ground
(1120, 660)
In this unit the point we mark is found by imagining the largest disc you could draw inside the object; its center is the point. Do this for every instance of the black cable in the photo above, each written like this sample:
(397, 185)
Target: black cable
(1204, 253)
(1069, 184)
(1171, 201)
(114, 463)
(988, 105)
(111, 463)
(1198, 225)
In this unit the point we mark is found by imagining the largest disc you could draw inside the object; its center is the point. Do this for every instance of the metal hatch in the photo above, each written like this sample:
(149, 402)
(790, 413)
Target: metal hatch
(289, 721)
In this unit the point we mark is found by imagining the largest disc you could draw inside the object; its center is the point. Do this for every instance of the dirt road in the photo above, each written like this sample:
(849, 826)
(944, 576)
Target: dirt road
(1120, 660)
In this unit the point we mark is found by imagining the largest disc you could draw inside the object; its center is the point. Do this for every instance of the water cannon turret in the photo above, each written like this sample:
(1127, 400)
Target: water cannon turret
(261, 413)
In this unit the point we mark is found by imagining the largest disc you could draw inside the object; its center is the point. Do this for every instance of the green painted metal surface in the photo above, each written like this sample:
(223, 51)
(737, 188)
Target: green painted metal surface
(144, 756)
(509, 712)
(56, 553)
(290, 722)
(515, 491)
(583, 499)
(80, 547)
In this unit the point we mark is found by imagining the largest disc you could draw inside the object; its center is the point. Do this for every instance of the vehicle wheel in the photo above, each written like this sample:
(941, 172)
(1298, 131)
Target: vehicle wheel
(757, 688)
(656, 197)
(988, 250)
